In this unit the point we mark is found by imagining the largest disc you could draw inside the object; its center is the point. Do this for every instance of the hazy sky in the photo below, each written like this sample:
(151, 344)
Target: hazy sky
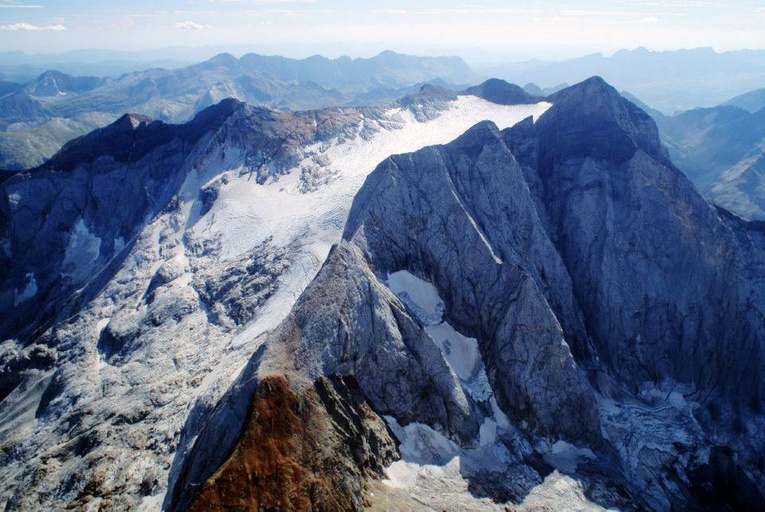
(536, 28)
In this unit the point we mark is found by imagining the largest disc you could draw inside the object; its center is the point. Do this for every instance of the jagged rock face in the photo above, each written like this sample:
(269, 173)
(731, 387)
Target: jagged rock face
(463, 219)
(322, 443)
(65, 223)
(140, 265)
(611, 306)
(399, 369)
(620, 213)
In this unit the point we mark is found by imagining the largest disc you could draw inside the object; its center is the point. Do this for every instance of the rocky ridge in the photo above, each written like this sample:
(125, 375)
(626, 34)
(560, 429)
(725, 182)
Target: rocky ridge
(125, 321)
(613, 319)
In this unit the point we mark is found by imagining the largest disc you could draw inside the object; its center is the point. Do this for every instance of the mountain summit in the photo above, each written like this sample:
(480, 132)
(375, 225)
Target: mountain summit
(555, 295)
(444, 303)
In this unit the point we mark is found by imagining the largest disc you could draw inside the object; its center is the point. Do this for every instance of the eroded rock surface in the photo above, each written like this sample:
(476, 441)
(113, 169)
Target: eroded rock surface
(617, 316)
(139, 266)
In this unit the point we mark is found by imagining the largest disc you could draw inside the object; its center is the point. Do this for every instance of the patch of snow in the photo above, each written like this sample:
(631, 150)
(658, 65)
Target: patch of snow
(119, 245)
(404, 475)
(29, 291)
(492, 425)
(558, 492)
(473, 223)
(460, 352)
(565, 456)
(425, 453)
(151, 503)
(14, 199)
(502, 420)
(82, 252)
(418, 295)
(677, 400)
(101, 325)
(246, 213)
(421, 444)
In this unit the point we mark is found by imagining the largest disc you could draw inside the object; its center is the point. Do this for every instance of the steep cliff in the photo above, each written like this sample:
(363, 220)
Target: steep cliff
(554, 296)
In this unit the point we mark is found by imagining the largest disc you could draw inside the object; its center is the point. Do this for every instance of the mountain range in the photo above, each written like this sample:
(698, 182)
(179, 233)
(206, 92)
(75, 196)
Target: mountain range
(670, 81)
(721, 149)
(38, 117)
(465, 300)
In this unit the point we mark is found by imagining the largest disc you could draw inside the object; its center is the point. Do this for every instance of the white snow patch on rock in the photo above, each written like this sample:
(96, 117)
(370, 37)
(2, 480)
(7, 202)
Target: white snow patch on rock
(246, 213)
(14, 199)
(565, 456)
(119, 245)
(418, 295)
(82, 252)
(460, 352)
(29, 291)
(558, 492)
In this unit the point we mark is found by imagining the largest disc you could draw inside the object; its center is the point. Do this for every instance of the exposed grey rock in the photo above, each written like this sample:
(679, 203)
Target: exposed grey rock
(704, 142)
(613, 308)
(503, 93)
(629, 215)
(451, 217)
(718, 149)
(137, 271)
(741, 188)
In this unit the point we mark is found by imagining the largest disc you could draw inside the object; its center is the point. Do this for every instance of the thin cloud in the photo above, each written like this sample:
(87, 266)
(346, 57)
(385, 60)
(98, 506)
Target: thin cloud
(14, 4)
(27, 26)
(259, 1)
(602, 13)
(464, 10)
(188, 25)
